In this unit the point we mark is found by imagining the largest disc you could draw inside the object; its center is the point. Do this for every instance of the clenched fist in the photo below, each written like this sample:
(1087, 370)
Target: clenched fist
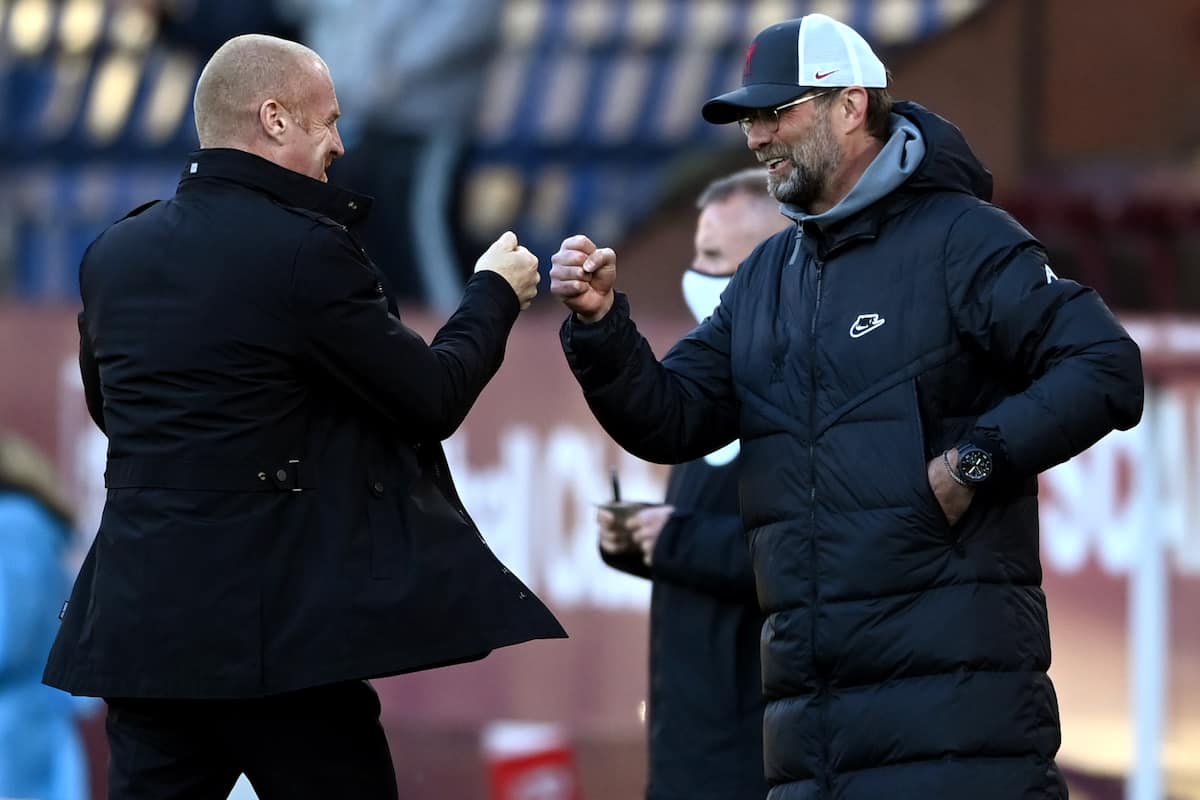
(515, 264)
(582, 276)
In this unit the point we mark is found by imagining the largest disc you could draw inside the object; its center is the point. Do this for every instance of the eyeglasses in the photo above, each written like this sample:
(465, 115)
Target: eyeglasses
(770, 116)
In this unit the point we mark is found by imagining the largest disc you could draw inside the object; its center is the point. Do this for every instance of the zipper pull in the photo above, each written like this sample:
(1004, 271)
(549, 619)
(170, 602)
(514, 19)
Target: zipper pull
(796, 247)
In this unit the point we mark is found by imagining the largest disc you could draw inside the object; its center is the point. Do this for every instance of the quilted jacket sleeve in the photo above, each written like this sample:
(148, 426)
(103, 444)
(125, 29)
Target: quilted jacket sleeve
(1083, 372)
(666, 412)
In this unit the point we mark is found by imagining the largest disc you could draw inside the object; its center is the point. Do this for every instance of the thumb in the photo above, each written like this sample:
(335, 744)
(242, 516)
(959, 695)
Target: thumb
(506, 243)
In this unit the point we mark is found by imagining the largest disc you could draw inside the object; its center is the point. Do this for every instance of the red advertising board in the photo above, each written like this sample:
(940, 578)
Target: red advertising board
(1120, 545)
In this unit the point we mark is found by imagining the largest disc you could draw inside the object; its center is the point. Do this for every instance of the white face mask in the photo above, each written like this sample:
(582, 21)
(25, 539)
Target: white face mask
(702, 293)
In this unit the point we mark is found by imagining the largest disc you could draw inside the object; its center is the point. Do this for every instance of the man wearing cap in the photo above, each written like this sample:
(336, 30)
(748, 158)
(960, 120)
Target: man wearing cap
(899, 366)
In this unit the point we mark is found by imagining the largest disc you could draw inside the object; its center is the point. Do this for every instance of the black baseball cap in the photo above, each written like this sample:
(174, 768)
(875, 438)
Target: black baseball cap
(792, 58)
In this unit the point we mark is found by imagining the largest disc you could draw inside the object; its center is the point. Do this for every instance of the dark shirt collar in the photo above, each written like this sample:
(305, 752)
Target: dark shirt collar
(284, 185)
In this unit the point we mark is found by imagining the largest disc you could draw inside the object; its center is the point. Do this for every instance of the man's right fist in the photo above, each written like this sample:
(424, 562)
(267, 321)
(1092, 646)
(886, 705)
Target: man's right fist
(582, 276)
(515, 264)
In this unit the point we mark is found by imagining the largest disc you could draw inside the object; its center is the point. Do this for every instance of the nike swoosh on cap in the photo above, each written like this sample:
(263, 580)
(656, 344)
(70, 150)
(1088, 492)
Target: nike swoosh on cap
(820, 76)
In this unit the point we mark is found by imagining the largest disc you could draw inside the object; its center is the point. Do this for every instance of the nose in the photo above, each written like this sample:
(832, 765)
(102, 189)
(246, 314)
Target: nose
(757, 136)
(338, 150)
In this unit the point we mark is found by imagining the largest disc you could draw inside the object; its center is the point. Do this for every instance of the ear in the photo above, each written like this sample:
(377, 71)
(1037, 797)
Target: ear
(273, 118)
(850, 110)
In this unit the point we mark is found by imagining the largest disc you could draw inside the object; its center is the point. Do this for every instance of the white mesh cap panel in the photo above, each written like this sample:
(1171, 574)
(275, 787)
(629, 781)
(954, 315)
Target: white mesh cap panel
(832, 53)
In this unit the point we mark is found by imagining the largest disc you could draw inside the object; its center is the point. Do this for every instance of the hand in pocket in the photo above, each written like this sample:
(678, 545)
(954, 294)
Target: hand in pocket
(952, 496)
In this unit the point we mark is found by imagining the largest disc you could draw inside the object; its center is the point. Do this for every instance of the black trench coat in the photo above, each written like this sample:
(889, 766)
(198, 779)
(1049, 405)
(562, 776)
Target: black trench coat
(279, 511)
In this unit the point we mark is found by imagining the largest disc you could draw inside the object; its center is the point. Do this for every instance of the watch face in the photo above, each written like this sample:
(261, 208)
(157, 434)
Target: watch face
(975, 465)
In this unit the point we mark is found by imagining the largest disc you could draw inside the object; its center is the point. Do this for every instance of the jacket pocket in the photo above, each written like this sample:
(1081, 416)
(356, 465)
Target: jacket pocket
(389, 536)
(968, 524)
(920, 453)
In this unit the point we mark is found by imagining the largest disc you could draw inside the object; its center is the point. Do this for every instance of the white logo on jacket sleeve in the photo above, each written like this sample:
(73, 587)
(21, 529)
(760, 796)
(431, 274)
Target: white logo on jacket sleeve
(865, 324)
(1050, 276)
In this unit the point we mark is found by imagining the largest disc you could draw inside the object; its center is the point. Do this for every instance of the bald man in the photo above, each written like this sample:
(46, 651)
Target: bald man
(706, 703)
(280, 523)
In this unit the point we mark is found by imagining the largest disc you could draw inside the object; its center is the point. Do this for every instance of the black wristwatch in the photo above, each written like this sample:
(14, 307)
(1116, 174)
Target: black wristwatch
(974, 464)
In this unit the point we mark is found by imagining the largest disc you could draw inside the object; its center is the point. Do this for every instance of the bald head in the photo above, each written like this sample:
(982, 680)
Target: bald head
(241, 76)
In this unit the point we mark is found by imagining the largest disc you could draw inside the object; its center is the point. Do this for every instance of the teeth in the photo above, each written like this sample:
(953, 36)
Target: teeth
(774, 162)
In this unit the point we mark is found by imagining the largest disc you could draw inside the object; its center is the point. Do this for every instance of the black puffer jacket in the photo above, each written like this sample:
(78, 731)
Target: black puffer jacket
(902, 658)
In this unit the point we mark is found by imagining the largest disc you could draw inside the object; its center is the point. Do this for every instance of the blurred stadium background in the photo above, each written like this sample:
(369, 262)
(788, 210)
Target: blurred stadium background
(558, 116)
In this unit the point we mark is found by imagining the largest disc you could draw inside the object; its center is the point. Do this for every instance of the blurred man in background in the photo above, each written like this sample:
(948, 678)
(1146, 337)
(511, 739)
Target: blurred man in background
(41, 755)
(898, 367)
(706, 700)
(280, 522)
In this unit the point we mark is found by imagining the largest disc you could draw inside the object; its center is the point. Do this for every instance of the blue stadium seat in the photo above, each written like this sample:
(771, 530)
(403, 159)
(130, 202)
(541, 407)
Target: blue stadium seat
(591, 105)
(96, 114)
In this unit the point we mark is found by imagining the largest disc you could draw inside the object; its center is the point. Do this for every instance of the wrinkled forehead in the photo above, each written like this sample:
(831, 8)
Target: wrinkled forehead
(312, 84)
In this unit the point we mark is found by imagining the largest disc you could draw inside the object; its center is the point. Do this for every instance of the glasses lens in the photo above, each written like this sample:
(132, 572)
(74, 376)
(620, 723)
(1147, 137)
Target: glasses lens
(769, 117)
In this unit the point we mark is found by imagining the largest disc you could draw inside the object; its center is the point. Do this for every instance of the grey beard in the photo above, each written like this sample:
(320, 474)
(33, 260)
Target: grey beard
(813, 161)
(800, 188)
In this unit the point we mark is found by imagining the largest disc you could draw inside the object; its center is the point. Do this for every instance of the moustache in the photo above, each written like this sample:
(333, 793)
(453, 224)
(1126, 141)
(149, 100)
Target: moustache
(769, 156)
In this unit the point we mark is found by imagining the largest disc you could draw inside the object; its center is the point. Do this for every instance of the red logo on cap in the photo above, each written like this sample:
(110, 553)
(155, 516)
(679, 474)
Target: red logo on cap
(820, 76)
(749, 55)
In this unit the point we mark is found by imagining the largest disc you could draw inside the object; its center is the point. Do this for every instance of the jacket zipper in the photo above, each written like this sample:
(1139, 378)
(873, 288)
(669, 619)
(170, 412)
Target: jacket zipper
(782, 330)
(812, 514)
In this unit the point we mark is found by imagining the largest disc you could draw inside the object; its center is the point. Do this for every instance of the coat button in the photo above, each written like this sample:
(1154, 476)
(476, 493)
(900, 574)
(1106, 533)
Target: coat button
(377, 487)
(281, 474)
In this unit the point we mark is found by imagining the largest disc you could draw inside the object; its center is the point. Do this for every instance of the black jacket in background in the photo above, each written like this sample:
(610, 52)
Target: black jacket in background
(279, 511)
(706, 701)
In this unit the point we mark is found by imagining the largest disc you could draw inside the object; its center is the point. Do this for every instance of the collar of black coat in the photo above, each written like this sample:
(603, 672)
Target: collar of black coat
(286, 186)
